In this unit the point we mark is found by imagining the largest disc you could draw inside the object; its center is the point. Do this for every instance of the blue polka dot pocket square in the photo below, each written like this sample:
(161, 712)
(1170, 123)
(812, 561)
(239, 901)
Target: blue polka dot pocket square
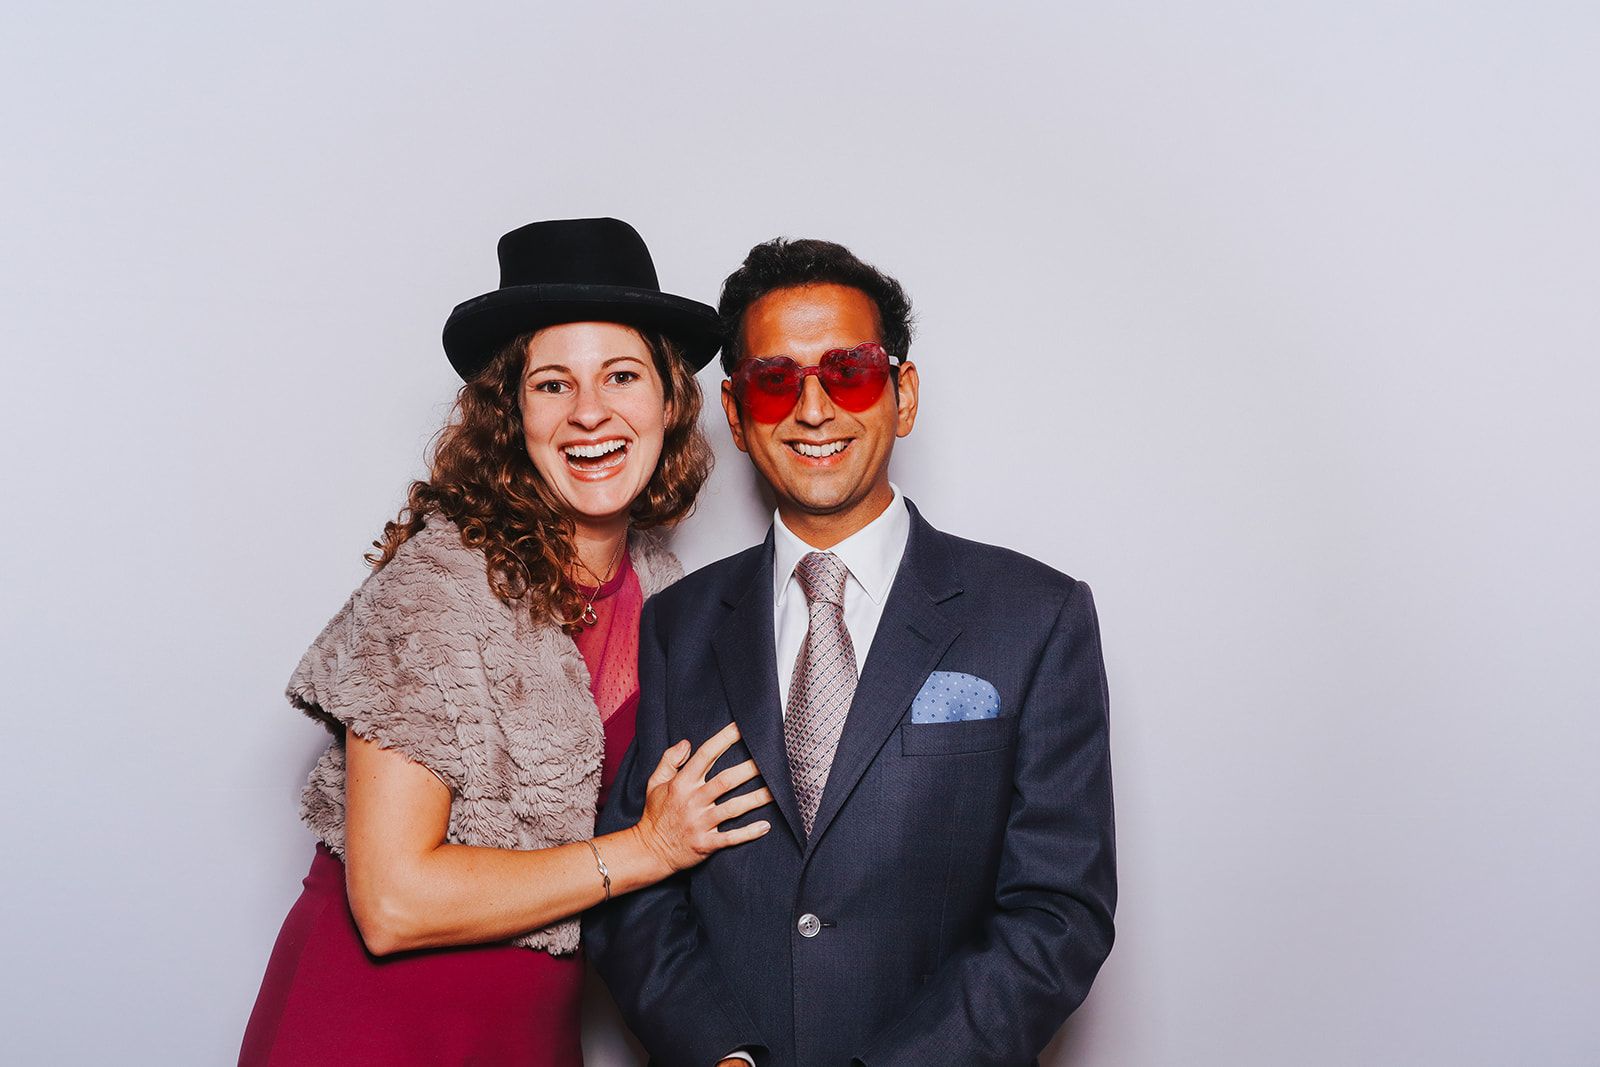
(950, 696)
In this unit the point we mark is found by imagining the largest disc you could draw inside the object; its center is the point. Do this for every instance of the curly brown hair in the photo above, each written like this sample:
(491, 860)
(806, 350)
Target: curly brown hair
(481, 478)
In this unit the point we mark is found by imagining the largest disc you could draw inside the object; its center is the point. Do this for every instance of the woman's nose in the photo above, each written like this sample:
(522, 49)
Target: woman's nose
(589, 409)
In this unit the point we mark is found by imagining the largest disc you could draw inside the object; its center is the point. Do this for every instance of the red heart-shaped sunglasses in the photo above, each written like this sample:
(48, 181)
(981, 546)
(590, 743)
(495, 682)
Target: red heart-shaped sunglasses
(853, 378)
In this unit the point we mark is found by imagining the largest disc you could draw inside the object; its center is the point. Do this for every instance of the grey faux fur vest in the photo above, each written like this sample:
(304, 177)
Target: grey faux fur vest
(425, 659)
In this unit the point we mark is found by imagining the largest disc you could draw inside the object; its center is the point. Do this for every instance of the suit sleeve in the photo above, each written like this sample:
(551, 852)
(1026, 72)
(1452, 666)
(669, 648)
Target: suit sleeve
(647, 945)
(998, 1002)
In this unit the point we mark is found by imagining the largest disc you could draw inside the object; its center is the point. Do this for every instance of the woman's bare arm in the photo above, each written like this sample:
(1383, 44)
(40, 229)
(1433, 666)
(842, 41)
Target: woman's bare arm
(409, 889)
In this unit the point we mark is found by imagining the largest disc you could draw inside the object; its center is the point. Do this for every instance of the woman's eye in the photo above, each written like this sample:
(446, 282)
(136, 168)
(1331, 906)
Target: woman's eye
(550, 385)
(623, 377)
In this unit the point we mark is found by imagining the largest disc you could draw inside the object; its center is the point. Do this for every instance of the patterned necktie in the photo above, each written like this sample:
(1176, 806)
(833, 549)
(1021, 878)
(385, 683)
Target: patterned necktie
(824, 682)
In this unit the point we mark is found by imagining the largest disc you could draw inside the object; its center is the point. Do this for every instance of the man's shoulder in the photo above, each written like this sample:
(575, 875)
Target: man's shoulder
(994, 566)
(711, 583)
(1010, 595)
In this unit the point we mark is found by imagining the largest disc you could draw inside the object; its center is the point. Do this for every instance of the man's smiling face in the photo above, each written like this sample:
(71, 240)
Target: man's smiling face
(829, 467)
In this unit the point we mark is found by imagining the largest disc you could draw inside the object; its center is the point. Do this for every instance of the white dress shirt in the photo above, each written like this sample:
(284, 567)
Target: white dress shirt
(872, 556)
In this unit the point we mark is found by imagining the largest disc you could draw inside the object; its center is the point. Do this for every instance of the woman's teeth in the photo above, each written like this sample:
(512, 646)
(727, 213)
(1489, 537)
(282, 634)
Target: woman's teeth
(593, 451)
(596, 457)
(819, 451)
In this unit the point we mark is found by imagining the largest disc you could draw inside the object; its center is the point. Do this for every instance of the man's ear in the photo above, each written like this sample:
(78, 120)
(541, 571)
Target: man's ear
(906, 411)
(730, 408)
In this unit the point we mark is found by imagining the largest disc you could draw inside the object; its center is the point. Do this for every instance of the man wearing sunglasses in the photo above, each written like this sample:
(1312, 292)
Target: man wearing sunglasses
(929, 713)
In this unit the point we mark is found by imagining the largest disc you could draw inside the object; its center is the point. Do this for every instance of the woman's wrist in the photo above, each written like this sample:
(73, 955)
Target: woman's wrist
(632, 862)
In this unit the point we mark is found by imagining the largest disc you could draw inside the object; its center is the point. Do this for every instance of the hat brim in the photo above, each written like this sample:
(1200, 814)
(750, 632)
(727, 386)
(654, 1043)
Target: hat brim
(478, 328)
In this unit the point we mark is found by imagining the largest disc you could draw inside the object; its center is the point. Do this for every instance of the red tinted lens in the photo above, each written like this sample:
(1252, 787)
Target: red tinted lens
(854, 377)
(768, 388)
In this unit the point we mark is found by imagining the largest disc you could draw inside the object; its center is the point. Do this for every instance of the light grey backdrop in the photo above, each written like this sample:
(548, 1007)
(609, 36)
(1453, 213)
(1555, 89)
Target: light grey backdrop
(1275, 322)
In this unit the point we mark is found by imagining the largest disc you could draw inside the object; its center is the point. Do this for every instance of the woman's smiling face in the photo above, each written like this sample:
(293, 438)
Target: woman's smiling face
(594, 412)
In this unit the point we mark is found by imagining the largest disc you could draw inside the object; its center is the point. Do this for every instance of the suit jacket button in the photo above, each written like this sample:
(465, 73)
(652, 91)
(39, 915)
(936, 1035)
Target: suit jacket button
(809, 925)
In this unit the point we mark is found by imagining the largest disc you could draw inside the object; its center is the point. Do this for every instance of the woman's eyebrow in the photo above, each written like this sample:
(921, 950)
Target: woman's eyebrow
(562, 368)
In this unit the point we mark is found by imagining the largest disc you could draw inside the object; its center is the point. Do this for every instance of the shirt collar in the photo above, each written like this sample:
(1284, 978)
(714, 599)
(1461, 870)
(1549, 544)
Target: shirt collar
(871, 554)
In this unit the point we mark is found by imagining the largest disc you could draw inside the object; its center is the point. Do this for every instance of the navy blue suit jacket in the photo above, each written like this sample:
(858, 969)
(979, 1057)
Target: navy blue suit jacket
(963, 872)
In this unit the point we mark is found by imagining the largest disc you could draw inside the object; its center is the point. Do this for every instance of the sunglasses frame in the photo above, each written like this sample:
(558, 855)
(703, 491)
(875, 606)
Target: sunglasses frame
(745, 389)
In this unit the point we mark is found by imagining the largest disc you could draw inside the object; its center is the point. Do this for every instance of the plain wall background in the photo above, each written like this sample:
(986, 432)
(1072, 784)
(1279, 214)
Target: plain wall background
(1275, 322)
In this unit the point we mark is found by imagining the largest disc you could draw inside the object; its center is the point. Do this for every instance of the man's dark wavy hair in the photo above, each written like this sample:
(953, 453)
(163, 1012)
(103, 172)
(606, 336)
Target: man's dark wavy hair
(784, 264)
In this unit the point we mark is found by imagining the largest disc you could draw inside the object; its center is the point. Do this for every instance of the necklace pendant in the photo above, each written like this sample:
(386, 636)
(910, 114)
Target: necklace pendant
(589, 618)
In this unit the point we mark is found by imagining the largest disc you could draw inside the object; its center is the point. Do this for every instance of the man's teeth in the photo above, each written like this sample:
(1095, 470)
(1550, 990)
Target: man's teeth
(820, 451)
(593, 451)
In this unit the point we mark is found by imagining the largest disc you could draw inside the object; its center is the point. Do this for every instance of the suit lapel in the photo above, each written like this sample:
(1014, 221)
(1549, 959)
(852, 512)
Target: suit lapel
(913, 633)
(747, 658)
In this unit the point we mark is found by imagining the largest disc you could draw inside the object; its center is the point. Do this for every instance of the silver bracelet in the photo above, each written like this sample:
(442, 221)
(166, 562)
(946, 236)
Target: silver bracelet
(605, 872)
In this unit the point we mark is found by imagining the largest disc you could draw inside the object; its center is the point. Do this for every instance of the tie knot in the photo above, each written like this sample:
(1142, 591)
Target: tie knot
(822, 577)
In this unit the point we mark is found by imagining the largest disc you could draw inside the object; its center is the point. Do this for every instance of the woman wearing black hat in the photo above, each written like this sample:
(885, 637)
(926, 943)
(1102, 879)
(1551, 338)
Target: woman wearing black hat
(480, 685)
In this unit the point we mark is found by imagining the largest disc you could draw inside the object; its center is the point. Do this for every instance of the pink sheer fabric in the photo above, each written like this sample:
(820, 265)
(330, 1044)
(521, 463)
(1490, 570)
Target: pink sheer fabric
(611, 649)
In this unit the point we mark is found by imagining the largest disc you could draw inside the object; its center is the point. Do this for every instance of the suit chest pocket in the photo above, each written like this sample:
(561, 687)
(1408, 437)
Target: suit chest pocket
(953, 738)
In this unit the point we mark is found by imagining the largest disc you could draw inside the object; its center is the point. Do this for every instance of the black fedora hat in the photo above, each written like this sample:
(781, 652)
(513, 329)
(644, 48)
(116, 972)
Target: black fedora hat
(575, 270)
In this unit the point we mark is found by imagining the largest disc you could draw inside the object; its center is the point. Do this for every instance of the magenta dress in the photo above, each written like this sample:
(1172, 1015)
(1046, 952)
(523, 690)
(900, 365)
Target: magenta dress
(325, 1000)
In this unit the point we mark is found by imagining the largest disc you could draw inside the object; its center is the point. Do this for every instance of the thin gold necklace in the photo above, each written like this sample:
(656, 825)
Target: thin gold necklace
(587, 617)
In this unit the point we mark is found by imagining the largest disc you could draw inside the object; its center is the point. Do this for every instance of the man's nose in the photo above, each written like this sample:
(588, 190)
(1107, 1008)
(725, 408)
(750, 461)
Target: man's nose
(816, 406)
